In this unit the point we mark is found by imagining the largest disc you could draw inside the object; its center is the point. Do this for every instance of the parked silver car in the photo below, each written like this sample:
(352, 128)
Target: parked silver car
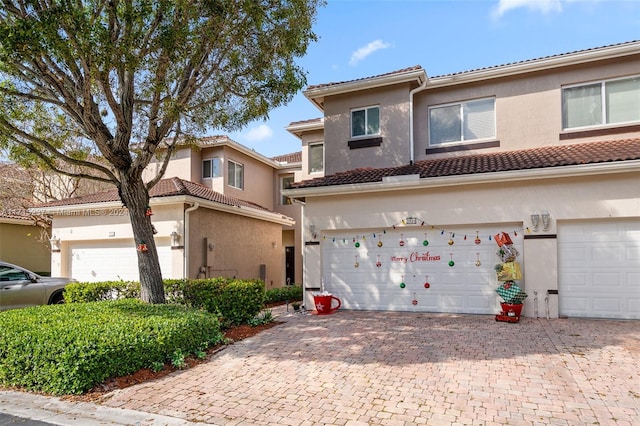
(20, 287)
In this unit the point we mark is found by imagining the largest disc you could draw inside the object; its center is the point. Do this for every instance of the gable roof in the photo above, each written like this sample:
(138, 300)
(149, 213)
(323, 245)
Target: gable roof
(164, 188)
(417, 75)
(533, 158)
(294, 157)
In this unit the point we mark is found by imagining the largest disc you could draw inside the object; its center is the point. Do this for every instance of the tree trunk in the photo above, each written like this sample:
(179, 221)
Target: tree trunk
(135, 197)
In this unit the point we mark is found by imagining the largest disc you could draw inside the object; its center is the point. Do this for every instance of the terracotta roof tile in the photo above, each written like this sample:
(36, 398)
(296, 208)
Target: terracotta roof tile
(388, 74)
(535, 60)
(164, 188)
(294, 157)
(533, 158)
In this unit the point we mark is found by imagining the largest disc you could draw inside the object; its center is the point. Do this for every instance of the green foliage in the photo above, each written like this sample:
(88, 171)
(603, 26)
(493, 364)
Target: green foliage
(105, 290)
(233, 301)
(283, 294)
(265, 317)
(68, 349)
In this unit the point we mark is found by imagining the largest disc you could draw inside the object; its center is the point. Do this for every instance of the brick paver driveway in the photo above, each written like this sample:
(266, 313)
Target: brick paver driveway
(359, 368)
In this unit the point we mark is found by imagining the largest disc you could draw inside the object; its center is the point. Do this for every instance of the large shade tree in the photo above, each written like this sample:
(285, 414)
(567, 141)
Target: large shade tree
(125, 80)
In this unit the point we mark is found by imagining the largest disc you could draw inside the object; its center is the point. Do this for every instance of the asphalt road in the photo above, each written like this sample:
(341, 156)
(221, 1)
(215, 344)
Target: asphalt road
(6, 419)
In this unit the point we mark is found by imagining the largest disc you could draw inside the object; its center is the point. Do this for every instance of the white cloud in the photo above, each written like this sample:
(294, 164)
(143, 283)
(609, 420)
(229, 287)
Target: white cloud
(367, 50)
(544, 6)
(259, 133)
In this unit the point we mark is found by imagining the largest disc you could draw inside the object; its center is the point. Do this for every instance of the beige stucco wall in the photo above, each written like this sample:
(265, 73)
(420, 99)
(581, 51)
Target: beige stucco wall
(21, 245)
(528, 108)
(180, 166)
(309, 138)
(112, 224)
(566, 199)
(528, 114)
(394, 129)
(228, 245)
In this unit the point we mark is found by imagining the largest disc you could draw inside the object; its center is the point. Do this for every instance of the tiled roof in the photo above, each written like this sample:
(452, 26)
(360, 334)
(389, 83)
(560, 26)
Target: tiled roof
(388, 74)
(294, 157)
(165, 188)
(536, 59)
(534, 158)
(317, 120)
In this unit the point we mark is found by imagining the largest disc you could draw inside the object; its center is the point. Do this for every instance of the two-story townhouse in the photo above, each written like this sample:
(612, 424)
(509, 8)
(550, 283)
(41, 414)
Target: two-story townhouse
(421, 173)
(218, 211)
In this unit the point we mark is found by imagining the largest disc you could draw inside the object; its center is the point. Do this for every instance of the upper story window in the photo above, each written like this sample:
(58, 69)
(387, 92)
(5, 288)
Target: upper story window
(316, 158)
(211, 168)
(235, 175)
(285, 183)
(462, 122)
(365, 121)
(601, 103)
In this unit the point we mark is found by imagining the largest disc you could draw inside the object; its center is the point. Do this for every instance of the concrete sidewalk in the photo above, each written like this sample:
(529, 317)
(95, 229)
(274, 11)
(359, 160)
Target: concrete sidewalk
(360, 368)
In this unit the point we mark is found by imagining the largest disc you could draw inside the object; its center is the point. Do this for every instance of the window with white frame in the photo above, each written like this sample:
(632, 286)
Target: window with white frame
(601, 103)
(468, 121)
(285, 183)
(365, 121)
(316, 158)
(235, 174)
(211, 168)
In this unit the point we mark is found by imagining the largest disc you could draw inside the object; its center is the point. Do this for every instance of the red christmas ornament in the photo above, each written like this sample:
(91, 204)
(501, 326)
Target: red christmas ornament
(149, 212)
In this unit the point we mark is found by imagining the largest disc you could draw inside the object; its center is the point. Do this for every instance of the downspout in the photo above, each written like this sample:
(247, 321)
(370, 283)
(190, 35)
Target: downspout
(185, 232)
(411, 93)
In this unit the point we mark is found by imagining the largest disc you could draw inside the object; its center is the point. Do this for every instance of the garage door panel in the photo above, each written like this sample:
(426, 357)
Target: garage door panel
(598, 269)
(111, 261)
(375, 283)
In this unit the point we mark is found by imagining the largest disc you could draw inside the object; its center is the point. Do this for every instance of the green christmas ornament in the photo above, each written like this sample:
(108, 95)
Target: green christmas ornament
(451, 263)
(357, 245)
(425, 243)
(402, 285)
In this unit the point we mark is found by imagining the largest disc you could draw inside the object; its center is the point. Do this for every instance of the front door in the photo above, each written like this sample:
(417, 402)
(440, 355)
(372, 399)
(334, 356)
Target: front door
(290, 265)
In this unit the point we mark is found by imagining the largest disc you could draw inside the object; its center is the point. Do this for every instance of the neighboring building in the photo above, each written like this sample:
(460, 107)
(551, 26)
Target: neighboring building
(24, 238)
(420, 173)
(24, 243)
(217, 212)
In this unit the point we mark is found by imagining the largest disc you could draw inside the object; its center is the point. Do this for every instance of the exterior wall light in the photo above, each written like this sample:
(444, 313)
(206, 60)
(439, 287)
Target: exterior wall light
(176, 240)
(535, 221)
(545, 220)
(55, 244)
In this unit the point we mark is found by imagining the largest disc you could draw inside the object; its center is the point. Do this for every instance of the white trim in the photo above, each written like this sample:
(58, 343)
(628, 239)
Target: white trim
(533, 65)
(477, 178)
(179, 199)
(14, 221)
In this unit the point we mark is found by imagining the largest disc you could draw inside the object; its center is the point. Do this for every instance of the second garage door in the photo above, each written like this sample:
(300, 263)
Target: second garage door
(416, 269)
(599, 269)
(113, 261)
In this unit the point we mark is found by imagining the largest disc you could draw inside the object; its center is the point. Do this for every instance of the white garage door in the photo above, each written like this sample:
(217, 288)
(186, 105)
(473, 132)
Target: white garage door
(393, 277)
(112, 261)
(599, 269)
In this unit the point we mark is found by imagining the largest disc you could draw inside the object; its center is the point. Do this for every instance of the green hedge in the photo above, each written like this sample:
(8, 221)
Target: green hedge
(68, 349)
(234, 301)
(289, 294)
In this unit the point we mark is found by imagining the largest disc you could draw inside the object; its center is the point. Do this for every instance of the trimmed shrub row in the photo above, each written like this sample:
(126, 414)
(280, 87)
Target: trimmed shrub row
(289, 294)
(233, 301)
(68, 349)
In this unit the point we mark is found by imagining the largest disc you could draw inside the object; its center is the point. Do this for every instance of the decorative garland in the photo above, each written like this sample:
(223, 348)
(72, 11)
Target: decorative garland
(414, 221)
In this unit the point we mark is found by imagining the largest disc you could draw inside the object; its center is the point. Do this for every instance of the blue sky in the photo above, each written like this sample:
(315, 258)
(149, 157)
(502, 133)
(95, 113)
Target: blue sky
(361, 38)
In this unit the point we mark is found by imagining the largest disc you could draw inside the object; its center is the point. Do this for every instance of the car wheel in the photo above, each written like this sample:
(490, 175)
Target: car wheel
(57, 299)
